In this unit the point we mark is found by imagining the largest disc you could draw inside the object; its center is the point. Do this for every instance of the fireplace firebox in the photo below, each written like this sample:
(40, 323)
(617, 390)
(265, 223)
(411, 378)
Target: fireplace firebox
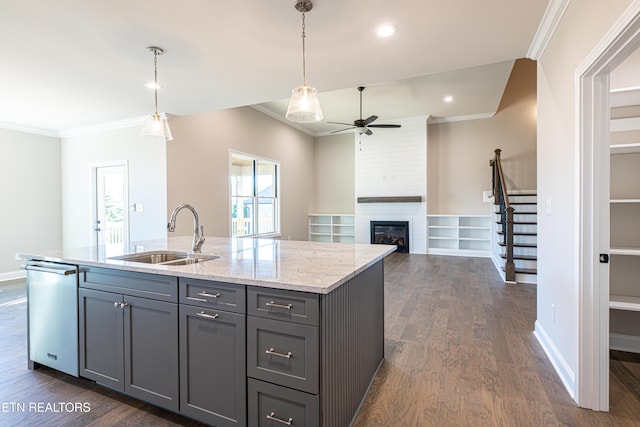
(391, 233)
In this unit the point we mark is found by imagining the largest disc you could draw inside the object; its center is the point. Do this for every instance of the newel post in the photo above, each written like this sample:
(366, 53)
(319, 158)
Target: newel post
(509, 266)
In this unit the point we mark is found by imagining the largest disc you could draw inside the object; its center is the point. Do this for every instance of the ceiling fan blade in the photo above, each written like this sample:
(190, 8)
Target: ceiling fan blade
(340, 123)
(370, 119)
(368, 132)
(342, 130)
(385, 126)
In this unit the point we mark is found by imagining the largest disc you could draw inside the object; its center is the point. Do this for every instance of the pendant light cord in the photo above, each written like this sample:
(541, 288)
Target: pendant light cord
(304, 53)
(155, 75)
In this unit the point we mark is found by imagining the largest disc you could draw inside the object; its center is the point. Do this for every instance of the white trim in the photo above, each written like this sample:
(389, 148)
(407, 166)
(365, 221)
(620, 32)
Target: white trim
(567, 376)
(29, 129)
(103, 127)
(628, 123)
(450, 119)
(284, 120)
(550, 20)
(12, 275)
(592, 158)
(625, 89)
(630, 343)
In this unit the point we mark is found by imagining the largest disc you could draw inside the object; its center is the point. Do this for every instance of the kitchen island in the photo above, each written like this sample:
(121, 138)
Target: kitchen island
(269, 332)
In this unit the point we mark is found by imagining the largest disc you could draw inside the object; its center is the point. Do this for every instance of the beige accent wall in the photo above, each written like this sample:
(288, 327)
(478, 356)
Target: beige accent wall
(30, 193)
(458, 153)
(198, 167)
(334, 181)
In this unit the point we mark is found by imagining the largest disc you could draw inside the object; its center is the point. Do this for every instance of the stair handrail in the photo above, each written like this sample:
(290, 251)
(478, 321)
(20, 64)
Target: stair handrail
(501, 197)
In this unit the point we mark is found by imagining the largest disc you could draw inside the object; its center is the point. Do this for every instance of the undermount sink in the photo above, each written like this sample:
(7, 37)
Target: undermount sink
(166, 258)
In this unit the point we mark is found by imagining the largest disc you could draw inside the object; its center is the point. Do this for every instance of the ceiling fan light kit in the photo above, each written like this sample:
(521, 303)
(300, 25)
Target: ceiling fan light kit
(304, 106)
(156, 125)
(361, 125)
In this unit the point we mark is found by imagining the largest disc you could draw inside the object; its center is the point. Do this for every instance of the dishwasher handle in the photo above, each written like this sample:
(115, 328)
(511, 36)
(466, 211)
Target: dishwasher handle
(64, 271)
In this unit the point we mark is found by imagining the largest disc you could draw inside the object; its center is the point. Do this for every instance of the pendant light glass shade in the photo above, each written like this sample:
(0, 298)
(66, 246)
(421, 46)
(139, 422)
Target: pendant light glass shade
(155, 125)
(304, 106)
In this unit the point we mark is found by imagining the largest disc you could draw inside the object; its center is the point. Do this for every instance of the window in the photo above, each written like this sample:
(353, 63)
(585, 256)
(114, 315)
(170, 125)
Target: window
(254, 196)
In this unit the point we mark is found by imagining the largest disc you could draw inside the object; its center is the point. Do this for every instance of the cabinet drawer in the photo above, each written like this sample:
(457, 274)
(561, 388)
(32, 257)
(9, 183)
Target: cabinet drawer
(217, 295)
(270, 405)
(292, 306)
(145, 285)
(283, 353)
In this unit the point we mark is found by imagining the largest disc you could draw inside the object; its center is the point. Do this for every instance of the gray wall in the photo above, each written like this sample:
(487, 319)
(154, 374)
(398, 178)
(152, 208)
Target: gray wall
(198, 167)
(30, 194)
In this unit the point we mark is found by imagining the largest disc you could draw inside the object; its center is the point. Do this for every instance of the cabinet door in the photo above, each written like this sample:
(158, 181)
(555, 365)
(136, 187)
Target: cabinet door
(101, 332)
(151, 351)
(212, 366)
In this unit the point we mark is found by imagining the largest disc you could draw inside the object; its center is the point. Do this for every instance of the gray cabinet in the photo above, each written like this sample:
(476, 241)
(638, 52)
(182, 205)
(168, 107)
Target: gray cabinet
(130, 343)
(213, 352)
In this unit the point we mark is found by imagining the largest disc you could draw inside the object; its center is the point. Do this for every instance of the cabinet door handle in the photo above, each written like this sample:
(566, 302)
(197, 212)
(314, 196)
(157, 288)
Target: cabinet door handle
(208, 295)
(276, 305)
(272, 417)
(208, 316)
(272, 352)
(197, 299)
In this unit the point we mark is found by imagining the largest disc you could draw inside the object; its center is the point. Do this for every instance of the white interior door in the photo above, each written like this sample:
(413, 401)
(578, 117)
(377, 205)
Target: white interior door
(111, 202)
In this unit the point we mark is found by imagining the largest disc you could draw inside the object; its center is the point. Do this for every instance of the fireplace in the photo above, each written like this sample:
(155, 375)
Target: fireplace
(391, 233)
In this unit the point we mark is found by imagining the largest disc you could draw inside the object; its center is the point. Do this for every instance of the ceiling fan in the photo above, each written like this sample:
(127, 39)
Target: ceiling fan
(362, 125)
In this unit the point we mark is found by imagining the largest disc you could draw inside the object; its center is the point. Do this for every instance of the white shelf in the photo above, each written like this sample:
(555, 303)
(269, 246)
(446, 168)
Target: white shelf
(622, 302)
(615, 201)
(334, 228)
(625, 148)
(625, 251)
(463, 235)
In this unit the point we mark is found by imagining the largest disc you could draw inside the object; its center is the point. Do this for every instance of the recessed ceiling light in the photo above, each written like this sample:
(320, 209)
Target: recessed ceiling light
(152, 85)
(448, 98)
(386, 30)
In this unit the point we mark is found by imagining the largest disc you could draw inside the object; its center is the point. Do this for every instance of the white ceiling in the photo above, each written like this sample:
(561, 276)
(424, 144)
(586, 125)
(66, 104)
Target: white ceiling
(73, 63)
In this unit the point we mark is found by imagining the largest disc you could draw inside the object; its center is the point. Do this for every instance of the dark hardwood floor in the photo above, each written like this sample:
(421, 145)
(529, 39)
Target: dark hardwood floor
(459, 351)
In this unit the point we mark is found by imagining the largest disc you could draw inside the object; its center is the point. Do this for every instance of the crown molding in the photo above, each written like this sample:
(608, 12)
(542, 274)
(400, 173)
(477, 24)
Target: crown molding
(103, 127)
(283, 120)
(438, 120)
(29, 129)
(550, 20)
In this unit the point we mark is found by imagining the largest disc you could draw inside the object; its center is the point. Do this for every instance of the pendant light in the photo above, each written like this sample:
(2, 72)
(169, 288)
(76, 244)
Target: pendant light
(304, 106)
(155, 125)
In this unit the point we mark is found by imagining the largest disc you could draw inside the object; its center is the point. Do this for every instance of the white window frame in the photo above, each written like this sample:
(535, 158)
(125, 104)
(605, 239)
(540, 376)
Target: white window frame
(255, 159)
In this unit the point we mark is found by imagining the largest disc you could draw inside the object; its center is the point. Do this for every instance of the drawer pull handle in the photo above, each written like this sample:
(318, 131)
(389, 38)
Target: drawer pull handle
(276, 305)
(208, 295)
(197, 299)
(272, 417)
(207, 316)
(275, 353)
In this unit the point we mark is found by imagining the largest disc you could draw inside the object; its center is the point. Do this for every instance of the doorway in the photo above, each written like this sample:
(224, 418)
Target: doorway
(593, 78)
(110, 203)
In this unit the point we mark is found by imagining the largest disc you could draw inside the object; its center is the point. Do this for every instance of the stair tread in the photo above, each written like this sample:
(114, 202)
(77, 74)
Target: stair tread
(520, 245)
(519, 233)
(522, 194)
(523, 203)
(521, 222)
(520, 213)
(522, 257)
(525, 270)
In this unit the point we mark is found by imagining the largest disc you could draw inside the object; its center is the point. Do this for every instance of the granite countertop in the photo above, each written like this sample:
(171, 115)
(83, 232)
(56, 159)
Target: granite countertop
(283, 264)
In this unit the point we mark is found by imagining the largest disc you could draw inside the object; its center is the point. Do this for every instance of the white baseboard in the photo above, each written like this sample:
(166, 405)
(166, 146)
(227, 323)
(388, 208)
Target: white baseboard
(12, 275)
(630, 343)
(567, 376)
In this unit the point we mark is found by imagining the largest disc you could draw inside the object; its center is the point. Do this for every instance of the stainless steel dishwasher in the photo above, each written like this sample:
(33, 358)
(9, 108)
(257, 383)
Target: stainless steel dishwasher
(52, 305)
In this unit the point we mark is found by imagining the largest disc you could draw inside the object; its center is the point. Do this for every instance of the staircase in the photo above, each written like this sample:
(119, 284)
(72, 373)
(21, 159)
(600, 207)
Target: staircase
(524, 238)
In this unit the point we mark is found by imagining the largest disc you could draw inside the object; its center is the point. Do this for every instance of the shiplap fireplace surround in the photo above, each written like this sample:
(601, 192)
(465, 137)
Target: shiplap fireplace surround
(391, 180)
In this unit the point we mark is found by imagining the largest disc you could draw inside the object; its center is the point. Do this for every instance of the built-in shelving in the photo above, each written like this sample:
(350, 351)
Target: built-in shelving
(624, 272)
(464, 235)
(332, 228)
